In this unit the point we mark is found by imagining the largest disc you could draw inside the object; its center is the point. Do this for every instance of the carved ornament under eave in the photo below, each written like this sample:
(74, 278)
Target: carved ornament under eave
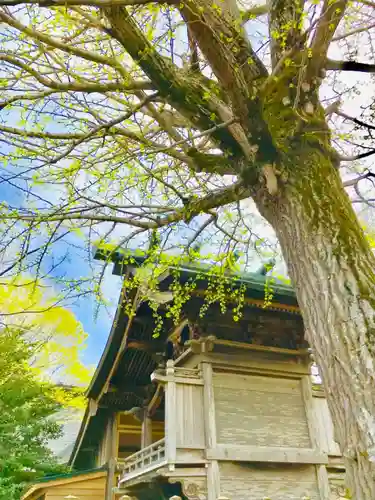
(193, 489)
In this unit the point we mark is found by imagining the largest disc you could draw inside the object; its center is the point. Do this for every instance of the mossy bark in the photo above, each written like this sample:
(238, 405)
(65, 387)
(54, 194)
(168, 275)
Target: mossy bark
(332, 268)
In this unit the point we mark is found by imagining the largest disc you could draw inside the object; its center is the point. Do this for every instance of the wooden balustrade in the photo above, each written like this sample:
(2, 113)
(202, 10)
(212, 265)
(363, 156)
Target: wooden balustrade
(144, 460)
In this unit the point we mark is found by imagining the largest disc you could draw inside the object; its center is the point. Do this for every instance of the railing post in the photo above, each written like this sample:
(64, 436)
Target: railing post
(170, 415)
(146, 431)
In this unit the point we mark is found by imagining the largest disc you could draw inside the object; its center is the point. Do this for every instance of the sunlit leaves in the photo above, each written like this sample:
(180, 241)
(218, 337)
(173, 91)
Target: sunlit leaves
(32, 307)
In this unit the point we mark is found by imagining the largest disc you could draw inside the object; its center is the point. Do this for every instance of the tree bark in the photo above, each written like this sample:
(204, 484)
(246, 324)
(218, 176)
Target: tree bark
(332, 268)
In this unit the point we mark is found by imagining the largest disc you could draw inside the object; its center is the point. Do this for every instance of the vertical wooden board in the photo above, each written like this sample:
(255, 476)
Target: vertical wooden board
(244, 482)
(209, 406)
(170, 421)
(189, 420)
(326, 440)
(180, 412)
(213, 481)
(103, 447)
(323, 483)
(260, 411)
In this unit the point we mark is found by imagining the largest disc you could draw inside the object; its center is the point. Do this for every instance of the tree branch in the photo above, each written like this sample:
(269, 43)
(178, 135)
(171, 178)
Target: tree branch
(332, 108)
(355, 120)
(353, 32)
(226, 47)
(332, 13)
(354, 182)
(94, 3)
(192, 208)
(30, 97)
(42, 135)
(349, 66)
(52, 42)
(189, 93)
(285, 19)
(77, 86)
(253, 12)
(357, 157)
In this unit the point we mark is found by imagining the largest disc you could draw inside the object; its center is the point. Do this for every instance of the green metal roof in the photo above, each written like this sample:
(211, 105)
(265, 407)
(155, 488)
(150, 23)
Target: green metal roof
(253, 280)
(68, 475)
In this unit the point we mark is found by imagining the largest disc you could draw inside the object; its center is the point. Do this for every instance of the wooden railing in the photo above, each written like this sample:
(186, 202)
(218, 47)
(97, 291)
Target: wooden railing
(145, 460)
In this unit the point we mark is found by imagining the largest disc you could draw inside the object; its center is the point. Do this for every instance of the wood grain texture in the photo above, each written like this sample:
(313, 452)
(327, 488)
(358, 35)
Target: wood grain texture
(189, 416)
(244, 482)
(93, 489)
(213, 480)
(260, 411)
(209, 404)
(170, 422)
(323, 483)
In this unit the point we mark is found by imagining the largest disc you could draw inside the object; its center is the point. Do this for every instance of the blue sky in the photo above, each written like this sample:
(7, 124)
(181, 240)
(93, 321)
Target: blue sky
(96, 323)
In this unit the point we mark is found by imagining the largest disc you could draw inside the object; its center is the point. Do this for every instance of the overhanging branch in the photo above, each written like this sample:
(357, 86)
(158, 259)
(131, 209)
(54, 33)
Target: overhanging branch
(355, 120)
(358, 157)
(53, 42)
(349, 66)
(332, 13)
(189, 93)
(77, 86)
(356, 180)
(192, 208)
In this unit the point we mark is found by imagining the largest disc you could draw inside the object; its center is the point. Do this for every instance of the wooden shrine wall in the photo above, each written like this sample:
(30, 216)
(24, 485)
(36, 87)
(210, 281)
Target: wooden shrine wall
(260, 411)
(279, 482)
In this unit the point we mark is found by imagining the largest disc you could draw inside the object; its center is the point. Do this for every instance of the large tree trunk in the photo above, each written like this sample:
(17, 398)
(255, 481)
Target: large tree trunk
(332, 268)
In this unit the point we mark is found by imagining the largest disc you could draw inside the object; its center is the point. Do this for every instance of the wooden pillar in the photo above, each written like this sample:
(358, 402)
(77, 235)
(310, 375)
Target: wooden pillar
(146, 431)
(111, 458)
(213, 473)
(170, 415)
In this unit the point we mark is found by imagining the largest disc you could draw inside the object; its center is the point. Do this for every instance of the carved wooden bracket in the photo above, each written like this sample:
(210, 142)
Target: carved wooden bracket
(193, 488)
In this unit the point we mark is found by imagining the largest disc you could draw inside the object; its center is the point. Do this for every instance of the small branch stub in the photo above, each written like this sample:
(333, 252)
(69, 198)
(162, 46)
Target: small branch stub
(270, 178)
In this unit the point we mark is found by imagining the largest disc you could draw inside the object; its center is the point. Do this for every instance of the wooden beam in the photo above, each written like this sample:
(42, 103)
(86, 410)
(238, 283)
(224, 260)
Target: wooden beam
(259, 303)
(142, 345)
(261, 348)
(267, 454)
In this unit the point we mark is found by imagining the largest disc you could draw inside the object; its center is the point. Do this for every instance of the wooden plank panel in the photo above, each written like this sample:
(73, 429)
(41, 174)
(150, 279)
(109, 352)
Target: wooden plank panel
(190, 421)
(244, 482)
(260, 411)
(256, 382)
